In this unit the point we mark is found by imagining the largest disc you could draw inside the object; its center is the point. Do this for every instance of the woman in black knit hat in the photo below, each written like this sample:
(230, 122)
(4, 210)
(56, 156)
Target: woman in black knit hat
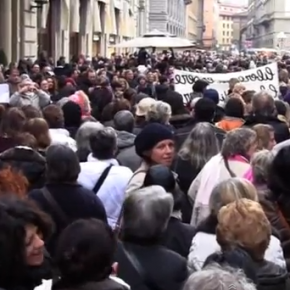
(155, 145)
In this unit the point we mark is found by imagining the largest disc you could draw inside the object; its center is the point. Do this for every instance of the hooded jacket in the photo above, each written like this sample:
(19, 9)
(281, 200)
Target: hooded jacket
(126, 150)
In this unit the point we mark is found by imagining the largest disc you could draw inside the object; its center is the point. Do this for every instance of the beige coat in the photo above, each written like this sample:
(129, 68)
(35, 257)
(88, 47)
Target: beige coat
(137, 179)
(202, 211)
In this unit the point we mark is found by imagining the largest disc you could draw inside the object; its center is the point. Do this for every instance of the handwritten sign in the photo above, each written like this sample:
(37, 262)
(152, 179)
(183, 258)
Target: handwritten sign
(263, 78)
(4, 94)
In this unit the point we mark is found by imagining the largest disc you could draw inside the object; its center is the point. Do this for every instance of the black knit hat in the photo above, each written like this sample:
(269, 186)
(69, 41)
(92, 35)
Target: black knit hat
(72, 114)
(150, 136)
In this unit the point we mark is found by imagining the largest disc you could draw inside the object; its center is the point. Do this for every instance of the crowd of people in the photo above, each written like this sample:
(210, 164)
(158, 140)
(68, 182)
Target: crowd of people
(108, 181)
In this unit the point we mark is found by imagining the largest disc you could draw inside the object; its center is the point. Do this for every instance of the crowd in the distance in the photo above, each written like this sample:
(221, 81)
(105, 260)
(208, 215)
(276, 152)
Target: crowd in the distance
(108, 181)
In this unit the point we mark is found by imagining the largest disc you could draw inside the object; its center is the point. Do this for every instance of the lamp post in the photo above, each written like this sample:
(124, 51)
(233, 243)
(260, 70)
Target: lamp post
(281, 40)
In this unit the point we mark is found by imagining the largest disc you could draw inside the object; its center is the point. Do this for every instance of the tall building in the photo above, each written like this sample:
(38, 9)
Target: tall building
(142, 16)
(192, 20)
(227, 15)
(266, 21)
(240, 21)
(64, 27)
(168, 16)
(210, 17)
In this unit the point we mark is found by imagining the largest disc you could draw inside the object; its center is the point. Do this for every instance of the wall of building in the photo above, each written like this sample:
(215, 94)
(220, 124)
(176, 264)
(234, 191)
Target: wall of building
(209, 23)
(66, 27)
(266, 20)
(226, 26)
(192, 20)
(168, 16)
(239, 25)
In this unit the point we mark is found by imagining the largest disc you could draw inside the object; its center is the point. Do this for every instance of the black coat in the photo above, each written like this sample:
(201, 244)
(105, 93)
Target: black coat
(182, 133)
(106, 284)
(75, 201)
(178, 237)
(167, 269)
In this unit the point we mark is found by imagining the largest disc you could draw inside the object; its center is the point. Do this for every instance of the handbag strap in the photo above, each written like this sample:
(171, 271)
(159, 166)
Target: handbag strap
(54, 206)
(140, 269)
(102, 178)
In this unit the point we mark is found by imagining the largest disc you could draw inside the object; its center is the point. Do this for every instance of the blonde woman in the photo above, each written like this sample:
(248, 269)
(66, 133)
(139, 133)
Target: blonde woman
(265, 136)
(204, 242)
(243, 229)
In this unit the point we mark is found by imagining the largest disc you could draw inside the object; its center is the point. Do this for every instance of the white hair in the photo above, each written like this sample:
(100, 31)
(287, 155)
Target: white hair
(216, 278)
(159, 112)
(146, 212)
(85, 132)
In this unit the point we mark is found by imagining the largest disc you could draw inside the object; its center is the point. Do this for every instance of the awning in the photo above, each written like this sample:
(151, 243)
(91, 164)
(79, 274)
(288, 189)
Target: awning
(65, 15)
(74, 16)
(97, 27)
(44, 15)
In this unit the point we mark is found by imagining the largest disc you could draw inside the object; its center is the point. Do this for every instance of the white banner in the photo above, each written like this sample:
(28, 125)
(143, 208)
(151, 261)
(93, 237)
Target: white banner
(263, 78)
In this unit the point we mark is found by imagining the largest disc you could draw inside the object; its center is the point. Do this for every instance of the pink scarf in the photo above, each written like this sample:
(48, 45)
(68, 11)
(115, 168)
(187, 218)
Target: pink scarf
(249, 174)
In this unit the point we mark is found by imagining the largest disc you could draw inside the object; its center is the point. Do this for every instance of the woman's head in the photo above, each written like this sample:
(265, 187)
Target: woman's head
(160, 175)
(23, 229)
(113, 108)
(12, 122)
(146, 213)
(38, 127)
(278, 177)
(31, 112)
(62, 165)
(159, 112)
(261, 163)
(54, 117)
(44, 85)
(163, 176)
(241, 141)
(85, 251)
(217, 278)
(234, 108)
(85, 132)
(231, 190)
(265, 136)
(13, 182)
(155, 144)
(103, 143)
(236, 219)
(200, 145)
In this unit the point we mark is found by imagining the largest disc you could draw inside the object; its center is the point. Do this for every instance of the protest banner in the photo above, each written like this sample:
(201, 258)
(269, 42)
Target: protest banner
(263, 78)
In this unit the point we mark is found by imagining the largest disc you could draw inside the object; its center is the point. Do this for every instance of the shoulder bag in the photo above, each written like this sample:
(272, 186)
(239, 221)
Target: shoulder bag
(101, 180)
(149, 283)
(55, 207)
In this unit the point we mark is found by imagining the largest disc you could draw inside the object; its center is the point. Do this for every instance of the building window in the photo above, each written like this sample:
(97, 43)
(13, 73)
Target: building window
(224, 25)
(223, 41)
(228, 26)
(227, 33)
(223, 33)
